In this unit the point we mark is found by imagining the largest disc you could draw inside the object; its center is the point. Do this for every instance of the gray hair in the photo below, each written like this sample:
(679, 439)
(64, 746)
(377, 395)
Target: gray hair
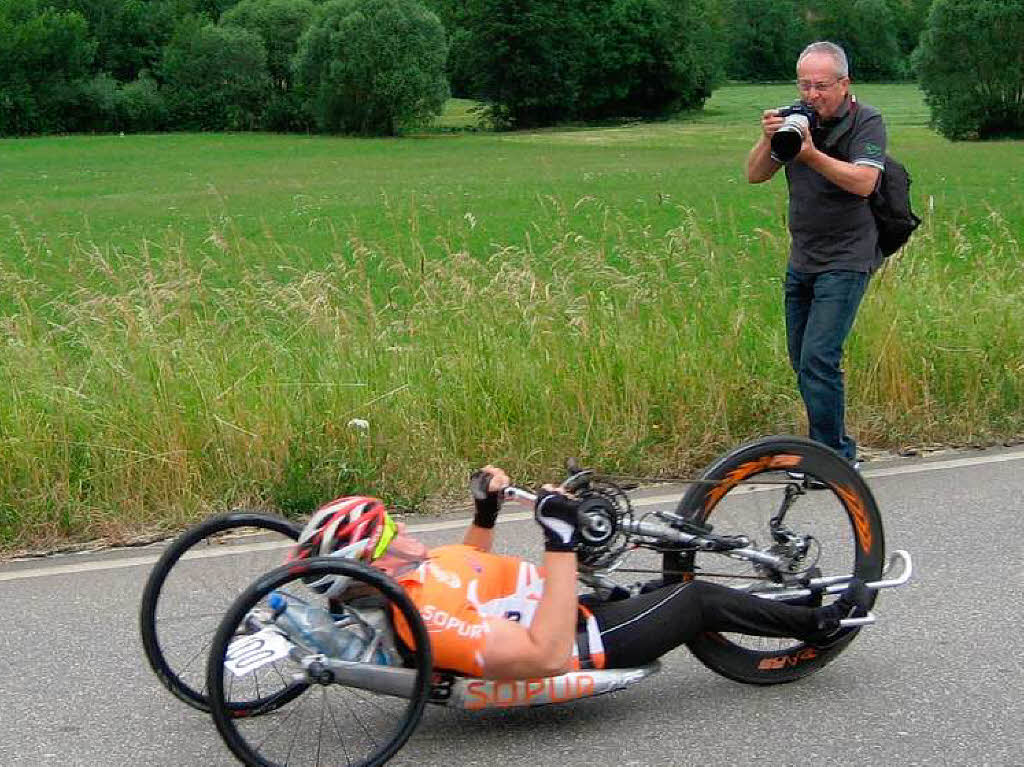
(829, 49)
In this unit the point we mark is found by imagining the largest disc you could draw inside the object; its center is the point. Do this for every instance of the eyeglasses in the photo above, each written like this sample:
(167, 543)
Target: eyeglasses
(807, 87)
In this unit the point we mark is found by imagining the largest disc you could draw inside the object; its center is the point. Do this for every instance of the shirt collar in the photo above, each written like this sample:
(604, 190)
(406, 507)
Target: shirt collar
(844, 109)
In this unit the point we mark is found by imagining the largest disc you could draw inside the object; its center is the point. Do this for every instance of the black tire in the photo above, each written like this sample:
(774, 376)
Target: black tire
(177, 654)
(307, 731)
(842, 516)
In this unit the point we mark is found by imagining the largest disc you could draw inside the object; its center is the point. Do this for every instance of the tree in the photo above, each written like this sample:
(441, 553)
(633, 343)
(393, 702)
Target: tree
(538, 62)
(765, 38)
(454, 16)
(46, 53)
(866, 31)
(373, 67)
(214, 78)
(280, 24)
(130, 34)
(657, 58)
(527, 56)
(970, 67)
(909, 18)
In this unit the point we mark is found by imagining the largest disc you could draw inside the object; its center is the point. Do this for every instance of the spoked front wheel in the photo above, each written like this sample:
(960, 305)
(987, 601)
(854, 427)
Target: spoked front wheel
(194, 582)
(357, 715)
(793, 498)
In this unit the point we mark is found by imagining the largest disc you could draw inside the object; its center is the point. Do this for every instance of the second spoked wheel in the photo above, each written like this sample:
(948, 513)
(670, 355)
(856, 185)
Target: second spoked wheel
(329, 722)
(195, 581)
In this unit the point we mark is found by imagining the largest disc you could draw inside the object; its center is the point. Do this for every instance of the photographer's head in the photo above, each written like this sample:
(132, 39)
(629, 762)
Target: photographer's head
(823, 78)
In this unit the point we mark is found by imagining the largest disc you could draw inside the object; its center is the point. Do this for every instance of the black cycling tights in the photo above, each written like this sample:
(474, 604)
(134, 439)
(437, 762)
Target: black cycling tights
(637, 630)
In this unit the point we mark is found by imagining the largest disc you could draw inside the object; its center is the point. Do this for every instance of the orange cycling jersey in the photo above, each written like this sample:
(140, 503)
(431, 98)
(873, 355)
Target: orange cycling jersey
(461, 590)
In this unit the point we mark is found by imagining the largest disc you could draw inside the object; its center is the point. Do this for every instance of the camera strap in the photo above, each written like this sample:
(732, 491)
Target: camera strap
(842, 129)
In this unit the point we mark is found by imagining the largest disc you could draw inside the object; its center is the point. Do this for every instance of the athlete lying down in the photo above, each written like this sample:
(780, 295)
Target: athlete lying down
(501, 617)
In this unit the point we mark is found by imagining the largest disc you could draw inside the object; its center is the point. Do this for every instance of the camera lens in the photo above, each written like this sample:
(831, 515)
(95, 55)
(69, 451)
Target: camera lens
(787, 139)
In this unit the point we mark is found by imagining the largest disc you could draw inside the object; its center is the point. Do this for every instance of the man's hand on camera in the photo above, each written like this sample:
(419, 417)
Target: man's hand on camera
(807, 148)
(770, 123)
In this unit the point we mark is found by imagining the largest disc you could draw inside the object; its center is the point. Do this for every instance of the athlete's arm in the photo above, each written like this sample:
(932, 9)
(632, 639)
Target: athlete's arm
(486, 485)
(545, 648)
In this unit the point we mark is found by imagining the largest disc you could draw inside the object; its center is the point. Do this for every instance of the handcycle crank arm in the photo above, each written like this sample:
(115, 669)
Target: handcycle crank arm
(520, 496)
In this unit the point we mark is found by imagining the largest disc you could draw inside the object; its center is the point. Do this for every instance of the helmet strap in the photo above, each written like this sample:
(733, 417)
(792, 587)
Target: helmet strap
(387, 534)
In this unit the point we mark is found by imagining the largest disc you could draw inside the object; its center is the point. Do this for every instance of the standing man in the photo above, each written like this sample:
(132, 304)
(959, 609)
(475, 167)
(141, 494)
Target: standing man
(834, 246)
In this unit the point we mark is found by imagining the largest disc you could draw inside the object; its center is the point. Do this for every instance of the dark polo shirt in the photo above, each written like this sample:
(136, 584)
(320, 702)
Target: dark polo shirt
(830, 227)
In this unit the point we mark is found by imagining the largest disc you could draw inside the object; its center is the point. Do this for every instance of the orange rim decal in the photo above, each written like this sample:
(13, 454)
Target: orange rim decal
(785, 661)
(861, 523)
(741, 472)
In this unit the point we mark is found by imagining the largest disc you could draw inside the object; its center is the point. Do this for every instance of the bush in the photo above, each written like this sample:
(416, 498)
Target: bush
(215, 78)
(104, 105)
(279, 24)
(140, 107)
(373, 67)
(92, 106)
(970, 67)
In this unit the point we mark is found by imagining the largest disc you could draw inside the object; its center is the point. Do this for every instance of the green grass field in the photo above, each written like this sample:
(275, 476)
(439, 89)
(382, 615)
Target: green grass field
(191, 321)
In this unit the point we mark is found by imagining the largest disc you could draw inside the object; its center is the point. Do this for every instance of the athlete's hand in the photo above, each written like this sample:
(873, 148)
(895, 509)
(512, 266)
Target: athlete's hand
(556, 513)
(486, 485)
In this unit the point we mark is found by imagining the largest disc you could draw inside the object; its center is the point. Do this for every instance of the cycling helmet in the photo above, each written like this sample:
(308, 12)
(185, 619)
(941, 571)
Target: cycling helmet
(355, 527)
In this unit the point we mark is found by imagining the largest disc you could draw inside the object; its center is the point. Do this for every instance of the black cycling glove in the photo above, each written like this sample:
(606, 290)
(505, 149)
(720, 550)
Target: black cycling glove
(557, 516)
(487, 503)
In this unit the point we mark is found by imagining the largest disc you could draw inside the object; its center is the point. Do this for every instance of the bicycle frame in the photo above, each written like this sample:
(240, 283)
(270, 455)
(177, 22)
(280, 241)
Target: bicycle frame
(471, 693)
(899, 568)
(474, 694)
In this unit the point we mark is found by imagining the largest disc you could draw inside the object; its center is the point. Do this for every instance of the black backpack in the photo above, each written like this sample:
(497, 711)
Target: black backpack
(890, 202)
(890, 205)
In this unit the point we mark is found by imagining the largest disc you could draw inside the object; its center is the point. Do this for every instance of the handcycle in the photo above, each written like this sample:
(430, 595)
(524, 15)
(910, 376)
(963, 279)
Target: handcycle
(278, 699)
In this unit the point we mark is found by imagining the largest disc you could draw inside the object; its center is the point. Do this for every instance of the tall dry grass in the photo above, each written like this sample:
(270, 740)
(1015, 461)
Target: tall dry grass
(169, 384)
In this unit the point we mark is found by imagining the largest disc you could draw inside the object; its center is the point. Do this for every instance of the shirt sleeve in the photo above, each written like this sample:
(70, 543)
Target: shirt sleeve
(867, 147)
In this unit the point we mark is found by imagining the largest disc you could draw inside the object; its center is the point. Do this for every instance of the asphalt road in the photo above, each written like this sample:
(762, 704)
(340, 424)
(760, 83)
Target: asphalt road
(937, 682)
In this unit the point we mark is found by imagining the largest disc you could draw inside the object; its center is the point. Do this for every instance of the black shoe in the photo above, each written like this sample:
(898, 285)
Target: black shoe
(811, 483)
(854, 602)
(808, 483)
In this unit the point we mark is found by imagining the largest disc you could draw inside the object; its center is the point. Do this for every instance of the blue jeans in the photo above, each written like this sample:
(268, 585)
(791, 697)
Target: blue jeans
(820, 309)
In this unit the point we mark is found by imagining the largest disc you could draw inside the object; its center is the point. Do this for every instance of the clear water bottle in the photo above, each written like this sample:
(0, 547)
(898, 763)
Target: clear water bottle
(314, 629)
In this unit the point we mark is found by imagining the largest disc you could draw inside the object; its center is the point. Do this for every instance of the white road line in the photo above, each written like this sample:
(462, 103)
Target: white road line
(429, 527)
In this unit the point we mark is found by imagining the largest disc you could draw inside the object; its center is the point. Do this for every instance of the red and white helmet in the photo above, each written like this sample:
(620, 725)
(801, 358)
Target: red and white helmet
(355, 527)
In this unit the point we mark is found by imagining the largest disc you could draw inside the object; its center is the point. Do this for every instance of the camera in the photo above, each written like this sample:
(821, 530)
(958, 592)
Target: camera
(787, 139)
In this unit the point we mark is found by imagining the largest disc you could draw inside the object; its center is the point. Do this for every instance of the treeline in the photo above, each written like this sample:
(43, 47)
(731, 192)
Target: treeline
(359, 66)
(879, 36)
(381, 67)
(368, 66)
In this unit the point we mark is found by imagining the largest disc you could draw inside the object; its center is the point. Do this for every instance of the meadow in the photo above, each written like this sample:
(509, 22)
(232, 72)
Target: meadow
(193, 322)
